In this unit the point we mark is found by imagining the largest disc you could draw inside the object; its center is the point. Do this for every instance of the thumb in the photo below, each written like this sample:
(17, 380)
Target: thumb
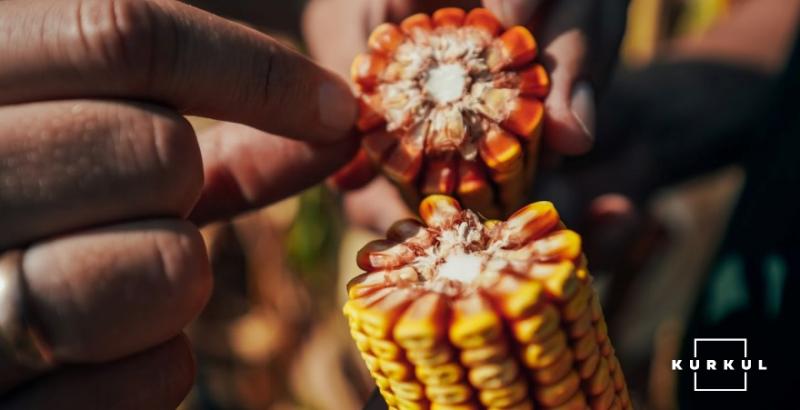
(512, 12)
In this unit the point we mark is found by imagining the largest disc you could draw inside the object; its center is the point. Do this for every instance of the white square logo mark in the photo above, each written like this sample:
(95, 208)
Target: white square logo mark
(735, 340)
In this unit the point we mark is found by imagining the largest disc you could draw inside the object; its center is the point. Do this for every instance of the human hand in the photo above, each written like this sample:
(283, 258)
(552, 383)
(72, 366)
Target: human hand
(99, 267)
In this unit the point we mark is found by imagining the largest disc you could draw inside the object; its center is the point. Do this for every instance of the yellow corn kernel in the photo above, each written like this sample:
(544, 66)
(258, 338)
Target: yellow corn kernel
(556, 371)
(384, 349)
(559, 279)
(389, 397)
(436, 210)
(504, 396)
(581, 326)
(475, 324)
(559, 392)
(378, 319)
(372, 362)
(559, 245)
(573, 309)
(422, 324)
(449, 394)
(603, 400)
(600, 379)
(412, 404)
(522, 300)
(434, 357)
(494, 375)
(540, 355)
(449, 373)
(349, 308)
(381, 381)
(362, 340)
(366, 283)
(396, 370)
(619, 380)
(584, 346)
(606, 349)
(625, 398)
(530, 222)
(601, 328)
(487, 354)
(576, 402)
(587, 367)
(464, 406)
(537, 327)
(407, 390)
(523, 405)
(612, 364)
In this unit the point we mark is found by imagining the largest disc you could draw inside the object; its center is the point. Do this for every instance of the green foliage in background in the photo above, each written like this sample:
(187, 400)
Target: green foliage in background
(313, 241)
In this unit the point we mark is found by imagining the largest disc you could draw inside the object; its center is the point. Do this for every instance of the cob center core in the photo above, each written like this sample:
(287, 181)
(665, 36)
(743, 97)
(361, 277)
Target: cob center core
(463, 249)
(439, 90)
(446, 83)
(463, 267)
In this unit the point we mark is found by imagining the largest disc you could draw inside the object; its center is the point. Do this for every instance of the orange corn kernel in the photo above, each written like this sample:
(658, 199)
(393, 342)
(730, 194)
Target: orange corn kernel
(449, 17)
(483, 19)
(385, 38)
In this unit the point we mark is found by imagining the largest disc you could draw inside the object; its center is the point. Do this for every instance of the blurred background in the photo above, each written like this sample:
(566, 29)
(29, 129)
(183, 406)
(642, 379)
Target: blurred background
(693, 80)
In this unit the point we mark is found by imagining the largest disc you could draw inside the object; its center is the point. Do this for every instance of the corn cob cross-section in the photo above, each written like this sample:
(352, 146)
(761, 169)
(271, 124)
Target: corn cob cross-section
(451, 104)
(463, 313)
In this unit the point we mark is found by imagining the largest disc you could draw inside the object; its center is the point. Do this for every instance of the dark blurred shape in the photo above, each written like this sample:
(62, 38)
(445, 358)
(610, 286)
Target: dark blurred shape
(282, 16)
(375, 402)
(759, 260)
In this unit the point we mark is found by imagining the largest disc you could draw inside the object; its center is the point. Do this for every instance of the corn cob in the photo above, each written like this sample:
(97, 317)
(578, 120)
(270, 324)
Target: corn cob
(451, 104)
(466, 313)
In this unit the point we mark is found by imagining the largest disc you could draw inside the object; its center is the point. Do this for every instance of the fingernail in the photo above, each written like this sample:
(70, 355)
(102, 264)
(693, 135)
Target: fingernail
(513, 12)
(337, 107)
(582, 107)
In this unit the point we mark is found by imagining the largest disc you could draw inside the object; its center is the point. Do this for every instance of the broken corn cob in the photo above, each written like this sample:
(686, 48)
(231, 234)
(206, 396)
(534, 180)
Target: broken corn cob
(463, 313)
(452, 104)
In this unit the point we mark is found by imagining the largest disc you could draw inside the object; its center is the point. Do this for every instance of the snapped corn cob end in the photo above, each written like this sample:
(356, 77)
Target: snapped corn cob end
(464, 313)
(452, 104)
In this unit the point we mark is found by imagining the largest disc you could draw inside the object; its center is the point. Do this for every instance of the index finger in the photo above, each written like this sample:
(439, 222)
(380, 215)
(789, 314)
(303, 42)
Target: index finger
(512, 12)
(172, 53)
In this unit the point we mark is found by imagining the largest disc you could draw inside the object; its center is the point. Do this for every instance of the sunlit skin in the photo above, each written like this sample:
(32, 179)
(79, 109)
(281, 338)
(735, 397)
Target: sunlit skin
(103, 183)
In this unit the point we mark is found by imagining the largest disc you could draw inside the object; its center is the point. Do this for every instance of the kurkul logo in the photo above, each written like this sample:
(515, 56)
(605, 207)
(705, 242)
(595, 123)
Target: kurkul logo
(715, 373)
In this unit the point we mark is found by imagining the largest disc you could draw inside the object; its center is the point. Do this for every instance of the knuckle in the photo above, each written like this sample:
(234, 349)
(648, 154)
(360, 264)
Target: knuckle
(122, 34)
(180, 176)
(161, 148)
(185, 266)
(175, 360)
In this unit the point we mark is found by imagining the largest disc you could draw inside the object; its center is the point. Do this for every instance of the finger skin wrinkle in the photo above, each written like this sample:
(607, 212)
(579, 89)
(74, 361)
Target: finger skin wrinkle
(116, 35)
(174, 54)
(239, 178)
(268, 68)
(70, 164)
(179, 155)
(161, 377)
(268, 85)
(104, 292)
(183, 260)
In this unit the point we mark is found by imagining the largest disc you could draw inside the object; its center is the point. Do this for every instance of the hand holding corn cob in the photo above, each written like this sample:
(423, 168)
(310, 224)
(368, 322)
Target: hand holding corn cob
(451, 104)
(465, 313)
